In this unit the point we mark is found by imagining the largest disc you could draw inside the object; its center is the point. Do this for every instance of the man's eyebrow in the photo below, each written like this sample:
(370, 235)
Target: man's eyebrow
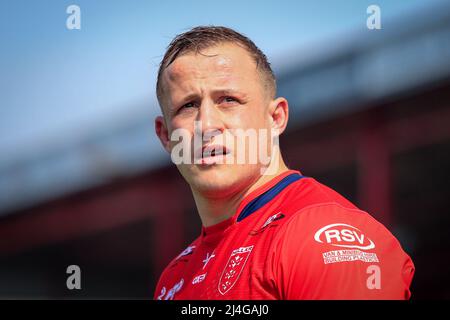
(229, 92)
(193, 96)
(189, 97)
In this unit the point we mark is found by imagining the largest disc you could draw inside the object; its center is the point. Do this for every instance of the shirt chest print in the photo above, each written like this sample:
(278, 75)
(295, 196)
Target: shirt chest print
(233, 268)
(206, 260)
(199, 278)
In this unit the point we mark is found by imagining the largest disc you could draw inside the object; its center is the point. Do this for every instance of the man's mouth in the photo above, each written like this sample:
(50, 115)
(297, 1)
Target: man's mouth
(212, 154)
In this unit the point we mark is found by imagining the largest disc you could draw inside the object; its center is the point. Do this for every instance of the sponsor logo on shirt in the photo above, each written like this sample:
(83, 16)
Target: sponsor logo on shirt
(345, 236)
(199, 278)
(349, 255)
(233, 268)
(271, 219)
(189, 250)
(206, 260)
(171, 293)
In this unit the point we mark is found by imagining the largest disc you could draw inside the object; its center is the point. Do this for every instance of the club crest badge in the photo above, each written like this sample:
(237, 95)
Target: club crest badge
(233, 268)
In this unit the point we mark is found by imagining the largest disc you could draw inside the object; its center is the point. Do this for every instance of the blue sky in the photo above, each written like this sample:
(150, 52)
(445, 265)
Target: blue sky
(57, 83)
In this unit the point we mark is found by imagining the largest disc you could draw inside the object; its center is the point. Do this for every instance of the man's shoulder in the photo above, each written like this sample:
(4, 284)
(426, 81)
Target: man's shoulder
(334, 225)
(340, 244)
(307, 194)
(308, 206)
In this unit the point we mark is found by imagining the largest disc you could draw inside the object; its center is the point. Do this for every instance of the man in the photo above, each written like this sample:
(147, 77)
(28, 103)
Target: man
(268, 232)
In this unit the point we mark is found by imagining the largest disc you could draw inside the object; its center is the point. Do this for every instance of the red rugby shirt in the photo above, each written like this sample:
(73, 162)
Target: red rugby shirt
(292, 238)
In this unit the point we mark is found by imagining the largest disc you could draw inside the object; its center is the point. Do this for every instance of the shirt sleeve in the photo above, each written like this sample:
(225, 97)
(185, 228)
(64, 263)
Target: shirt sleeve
(332, 252)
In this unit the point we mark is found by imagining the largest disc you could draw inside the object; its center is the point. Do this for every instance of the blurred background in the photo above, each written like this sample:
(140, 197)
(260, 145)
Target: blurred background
(84, 180)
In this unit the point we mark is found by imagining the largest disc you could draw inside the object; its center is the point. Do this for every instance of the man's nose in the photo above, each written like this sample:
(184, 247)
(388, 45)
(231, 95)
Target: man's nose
(211, 120)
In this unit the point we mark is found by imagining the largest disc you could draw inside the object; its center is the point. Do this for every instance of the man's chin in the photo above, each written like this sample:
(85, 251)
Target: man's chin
(212, 179)
(219, 180)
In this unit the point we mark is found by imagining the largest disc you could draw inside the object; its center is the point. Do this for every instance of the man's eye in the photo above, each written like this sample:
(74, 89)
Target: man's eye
(187, 105)
(229, 99)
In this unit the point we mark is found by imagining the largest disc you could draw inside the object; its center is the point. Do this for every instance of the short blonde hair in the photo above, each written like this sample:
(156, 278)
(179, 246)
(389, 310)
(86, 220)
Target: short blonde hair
(203, 37)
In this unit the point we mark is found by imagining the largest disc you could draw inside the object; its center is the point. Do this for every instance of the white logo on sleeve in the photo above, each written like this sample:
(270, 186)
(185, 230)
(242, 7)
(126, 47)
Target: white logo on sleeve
(345, 236)
(189, 250)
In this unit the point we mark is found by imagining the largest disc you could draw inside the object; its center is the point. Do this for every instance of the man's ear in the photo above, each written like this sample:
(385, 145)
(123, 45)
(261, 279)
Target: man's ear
(279, 113)
(162, 132)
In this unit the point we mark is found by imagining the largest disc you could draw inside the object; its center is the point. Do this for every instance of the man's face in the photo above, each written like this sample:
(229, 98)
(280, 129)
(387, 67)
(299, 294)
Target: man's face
(222, 88)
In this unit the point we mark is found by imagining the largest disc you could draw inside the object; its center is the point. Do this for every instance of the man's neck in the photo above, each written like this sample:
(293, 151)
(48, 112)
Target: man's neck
(216, 210)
